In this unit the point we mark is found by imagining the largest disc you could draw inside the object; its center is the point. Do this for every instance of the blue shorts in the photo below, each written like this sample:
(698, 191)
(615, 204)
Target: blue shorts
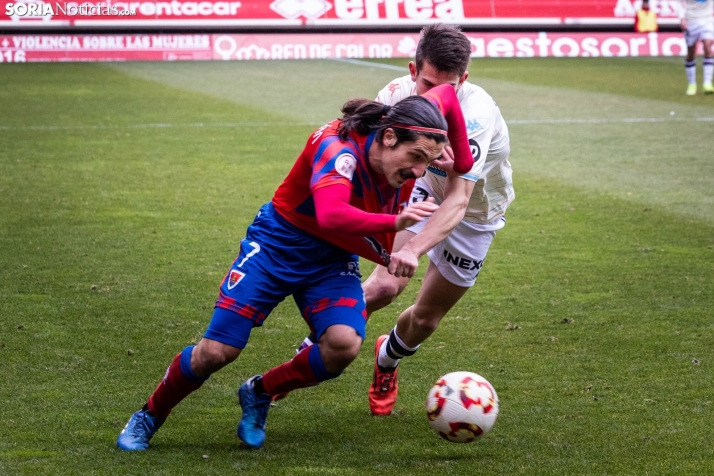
(276, 260)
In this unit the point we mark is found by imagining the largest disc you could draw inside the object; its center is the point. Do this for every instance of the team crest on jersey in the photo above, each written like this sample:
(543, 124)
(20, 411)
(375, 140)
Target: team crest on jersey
(393, 88)
(346, 165)
(235, 277)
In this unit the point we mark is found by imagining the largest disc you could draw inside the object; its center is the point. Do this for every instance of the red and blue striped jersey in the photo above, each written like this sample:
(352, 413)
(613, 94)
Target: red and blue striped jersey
(328, 160)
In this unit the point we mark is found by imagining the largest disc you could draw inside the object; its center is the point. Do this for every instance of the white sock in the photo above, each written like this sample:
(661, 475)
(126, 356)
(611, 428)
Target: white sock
(392, 350)
(691, 68)
(708, 70)
(384, 360)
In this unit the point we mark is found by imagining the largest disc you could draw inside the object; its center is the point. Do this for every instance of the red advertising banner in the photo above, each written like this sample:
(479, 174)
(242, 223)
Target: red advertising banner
(38, 48)
(483, 45)
(302, 14)
(21, 48)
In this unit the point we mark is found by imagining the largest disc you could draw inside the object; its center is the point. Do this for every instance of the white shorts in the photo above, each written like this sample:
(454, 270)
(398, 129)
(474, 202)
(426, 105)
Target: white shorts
(460, 256)
(698, 31)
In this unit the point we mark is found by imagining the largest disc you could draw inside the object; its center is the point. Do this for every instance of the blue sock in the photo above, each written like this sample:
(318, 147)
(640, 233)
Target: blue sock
(186, 369)
(318, 366)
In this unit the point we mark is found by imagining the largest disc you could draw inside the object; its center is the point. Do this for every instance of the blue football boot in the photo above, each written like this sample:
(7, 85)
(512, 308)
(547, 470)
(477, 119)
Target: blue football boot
(251, 429)
(138, 431)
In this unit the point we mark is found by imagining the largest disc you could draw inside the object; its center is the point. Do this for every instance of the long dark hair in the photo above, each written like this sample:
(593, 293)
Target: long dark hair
(364, 116)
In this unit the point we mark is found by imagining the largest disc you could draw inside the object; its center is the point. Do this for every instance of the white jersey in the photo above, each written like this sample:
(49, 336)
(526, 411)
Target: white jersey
(488, 138)
(697, 11)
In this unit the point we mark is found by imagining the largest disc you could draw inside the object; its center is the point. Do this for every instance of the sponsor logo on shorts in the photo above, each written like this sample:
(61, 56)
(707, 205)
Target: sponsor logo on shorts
(235, 277)
(463, 263)
(352, 270)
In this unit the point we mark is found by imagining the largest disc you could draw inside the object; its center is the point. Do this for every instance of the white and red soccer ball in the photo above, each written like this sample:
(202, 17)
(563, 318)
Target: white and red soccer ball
(462, 406)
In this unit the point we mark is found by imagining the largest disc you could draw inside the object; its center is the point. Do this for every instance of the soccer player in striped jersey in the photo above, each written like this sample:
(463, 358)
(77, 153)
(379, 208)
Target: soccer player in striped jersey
(697, 21)
(341, 200)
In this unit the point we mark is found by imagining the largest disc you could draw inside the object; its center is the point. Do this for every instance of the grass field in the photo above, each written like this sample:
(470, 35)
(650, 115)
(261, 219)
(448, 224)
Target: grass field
(125, 190)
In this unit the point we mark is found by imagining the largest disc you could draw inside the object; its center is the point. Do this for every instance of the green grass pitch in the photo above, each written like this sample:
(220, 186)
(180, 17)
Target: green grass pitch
(125, 190)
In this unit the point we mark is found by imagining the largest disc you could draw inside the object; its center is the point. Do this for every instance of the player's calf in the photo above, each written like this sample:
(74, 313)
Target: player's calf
(178, 382)
(307, 342)
(304, 370)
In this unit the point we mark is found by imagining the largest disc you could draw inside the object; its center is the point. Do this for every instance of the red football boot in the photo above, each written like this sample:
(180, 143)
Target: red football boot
(383, 392)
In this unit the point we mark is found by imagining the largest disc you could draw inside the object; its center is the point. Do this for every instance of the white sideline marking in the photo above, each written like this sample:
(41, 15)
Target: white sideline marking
(610, 121)
(369, 63)
(296, 124)
(159, 126)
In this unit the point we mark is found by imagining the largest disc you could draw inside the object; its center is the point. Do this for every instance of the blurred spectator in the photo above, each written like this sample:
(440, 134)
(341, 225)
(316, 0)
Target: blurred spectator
(645, 19)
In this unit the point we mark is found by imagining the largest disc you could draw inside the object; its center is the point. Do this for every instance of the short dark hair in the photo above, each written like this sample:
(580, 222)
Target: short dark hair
(364, 117)
(444, 47)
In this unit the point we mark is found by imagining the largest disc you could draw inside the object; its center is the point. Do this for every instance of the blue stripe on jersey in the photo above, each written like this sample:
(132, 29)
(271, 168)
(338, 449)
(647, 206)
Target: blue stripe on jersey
(362, 170)
(328, 164)
(350, 147)
(307, 207)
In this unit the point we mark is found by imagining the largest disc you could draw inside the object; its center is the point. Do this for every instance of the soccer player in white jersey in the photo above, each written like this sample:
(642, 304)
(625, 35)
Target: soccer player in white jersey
(697, 17)
(457, 236)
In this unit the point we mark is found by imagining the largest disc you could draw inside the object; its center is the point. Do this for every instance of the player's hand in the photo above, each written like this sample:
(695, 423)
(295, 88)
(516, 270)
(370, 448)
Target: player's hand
(415, 213)
(403, 263)
(683, 24)
(446, 163)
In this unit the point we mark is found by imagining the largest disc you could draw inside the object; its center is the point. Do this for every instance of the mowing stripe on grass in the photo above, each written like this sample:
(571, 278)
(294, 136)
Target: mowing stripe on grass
(609, 121)
(160, 126)
(369, 63)
(301, 124)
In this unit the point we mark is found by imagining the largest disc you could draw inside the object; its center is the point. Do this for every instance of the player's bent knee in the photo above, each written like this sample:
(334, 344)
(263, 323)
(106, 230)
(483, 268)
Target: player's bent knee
(339, 349)
(382, 292)
(209, 356)
(343, 353)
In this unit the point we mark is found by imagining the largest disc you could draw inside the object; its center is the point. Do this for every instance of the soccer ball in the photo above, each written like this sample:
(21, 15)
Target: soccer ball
(462, 406)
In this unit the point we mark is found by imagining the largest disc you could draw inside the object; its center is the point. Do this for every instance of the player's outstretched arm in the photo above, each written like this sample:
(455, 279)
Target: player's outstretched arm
(444, 97)
(404, 263)
(457, 194)
(334, 214)
(415, 213)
